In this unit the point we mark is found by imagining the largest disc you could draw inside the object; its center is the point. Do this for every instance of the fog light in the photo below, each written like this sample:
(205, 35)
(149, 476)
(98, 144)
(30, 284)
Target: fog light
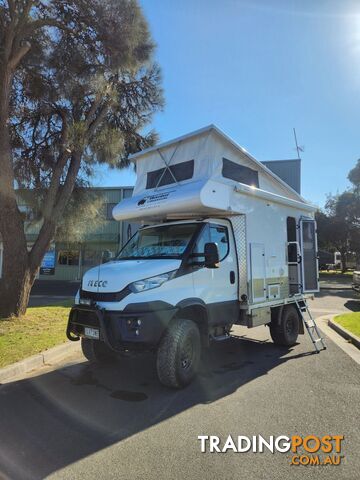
(137, 332)
(85, 301)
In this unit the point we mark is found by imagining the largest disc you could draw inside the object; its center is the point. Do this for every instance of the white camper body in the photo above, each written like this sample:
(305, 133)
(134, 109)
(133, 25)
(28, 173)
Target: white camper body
(261, 211)
(224, 241)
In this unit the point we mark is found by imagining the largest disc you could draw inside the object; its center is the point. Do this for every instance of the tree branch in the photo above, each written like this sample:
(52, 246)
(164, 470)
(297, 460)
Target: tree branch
(11, 4)
(93, 126)
(53, 189)
(44, 22)
(18, 56)
(93, 108)
(47, 230)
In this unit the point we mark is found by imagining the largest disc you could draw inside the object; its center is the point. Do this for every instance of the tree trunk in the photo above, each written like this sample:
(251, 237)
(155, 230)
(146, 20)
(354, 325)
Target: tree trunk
(17, 277)
(14, 300)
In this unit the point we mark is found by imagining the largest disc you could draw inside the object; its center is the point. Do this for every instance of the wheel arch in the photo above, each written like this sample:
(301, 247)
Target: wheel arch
(194, 309)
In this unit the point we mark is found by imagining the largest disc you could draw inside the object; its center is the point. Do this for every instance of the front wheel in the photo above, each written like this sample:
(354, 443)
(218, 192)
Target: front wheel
(96, 351)
(287, 331)
(178, 355)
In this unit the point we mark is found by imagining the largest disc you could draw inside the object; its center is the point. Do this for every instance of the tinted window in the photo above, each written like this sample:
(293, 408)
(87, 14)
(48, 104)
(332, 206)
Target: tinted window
(240, 173)
(181, 171)
(68, 257)
(291, 236)
(213, 233)
(219, 235)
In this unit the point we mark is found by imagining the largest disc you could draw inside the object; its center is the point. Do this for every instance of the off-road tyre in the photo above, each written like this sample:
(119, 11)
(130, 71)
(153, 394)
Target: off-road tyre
(96, 351)
(178, 355)
(286, 331)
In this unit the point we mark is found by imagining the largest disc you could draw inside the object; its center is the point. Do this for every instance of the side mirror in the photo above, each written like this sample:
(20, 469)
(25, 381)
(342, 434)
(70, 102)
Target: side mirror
(211, 253)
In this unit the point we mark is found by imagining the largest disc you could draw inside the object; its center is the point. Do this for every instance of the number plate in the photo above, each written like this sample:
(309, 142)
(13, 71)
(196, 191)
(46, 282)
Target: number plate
(92, 333)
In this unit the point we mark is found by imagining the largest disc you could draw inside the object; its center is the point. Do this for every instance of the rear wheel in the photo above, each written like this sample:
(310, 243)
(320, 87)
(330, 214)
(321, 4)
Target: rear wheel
(286, 331)
(96, 351)
(178, 355)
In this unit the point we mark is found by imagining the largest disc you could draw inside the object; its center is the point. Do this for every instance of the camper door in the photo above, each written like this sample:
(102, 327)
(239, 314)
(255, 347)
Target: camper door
(309, 263)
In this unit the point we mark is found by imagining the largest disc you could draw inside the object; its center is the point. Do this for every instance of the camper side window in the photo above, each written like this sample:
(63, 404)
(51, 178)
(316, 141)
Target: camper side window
(166, 176)
(213, 233)
(240, 173)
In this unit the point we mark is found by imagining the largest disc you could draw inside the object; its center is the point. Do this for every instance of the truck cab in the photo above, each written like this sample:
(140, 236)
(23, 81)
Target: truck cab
(166, 274)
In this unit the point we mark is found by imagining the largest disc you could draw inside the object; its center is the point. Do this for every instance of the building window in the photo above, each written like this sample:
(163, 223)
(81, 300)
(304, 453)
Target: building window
(109, 209)
(181, 171)
(240, 173)
(68, 257)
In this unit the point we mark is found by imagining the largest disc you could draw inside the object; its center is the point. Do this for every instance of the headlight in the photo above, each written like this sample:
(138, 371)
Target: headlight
(152, 282)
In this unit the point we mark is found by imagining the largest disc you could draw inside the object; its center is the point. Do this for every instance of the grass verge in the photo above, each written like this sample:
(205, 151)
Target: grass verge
(336, 273)
(350, 321)
(39, 329)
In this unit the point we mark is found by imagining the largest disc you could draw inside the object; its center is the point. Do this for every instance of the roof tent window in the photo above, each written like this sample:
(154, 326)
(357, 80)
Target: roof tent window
(181, 171)
(240, 173)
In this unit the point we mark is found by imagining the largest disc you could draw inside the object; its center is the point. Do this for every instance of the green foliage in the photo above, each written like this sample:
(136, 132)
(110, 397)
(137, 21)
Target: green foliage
(82, 215)
(354, 175)
(87, 84)
(339, 223)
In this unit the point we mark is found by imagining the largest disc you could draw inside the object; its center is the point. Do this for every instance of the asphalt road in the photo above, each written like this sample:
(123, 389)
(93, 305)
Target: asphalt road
(74, 421)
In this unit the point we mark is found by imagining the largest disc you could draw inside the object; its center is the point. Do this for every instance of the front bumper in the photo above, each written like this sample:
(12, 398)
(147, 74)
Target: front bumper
(138, 326)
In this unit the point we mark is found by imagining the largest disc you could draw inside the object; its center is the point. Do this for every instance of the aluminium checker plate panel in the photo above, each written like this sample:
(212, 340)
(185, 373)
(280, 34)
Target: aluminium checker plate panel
(239, 226)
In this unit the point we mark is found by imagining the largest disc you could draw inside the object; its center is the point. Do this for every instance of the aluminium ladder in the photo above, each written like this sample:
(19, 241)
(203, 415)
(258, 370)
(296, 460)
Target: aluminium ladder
(310, 324)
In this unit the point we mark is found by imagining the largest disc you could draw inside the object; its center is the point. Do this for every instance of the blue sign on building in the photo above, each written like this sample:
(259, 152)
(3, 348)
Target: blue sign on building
(48, 263)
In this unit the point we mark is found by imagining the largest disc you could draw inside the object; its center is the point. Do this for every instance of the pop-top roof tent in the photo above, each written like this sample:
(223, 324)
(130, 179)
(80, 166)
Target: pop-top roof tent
(201, 174)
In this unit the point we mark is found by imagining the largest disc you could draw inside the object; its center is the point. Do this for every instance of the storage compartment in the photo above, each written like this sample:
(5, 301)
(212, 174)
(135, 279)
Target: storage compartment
(274, 291)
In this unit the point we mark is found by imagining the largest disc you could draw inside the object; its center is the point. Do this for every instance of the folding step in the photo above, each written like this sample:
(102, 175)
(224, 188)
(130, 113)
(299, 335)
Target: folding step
(220, 338)
(310, 324)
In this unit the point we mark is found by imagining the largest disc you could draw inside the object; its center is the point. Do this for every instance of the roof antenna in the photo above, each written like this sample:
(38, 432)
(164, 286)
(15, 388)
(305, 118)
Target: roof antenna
(298, 148)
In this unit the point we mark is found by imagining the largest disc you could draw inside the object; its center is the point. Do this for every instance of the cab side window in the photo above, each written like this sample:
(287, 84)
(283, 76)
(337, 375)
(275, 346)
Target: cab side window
(219, 235)
(213, 233)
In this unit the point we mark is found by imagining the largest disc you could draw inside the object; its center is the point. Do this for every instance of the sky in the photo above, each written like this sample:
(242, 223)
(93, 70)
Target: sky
(256, 69)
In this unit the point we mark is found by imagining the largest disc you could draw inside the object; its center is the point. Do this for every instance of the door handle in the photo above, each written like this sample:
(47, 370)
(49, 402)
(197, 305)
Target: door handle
(232, 277)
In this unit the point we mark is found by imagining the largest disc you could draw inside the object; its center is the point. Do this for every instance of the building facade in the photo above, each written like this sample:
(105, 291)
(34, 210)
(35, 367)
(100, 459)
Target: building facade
(69, 260)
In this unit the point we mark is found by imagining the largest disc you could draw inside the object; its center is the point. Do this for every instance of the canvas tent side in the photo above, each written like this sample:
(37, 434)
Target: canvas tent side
(198, 173)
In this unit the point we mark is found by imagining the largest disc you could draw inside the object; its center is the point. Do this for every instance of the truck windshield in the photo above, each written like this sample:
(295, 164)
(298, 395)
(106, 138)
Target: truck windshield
(165, 241)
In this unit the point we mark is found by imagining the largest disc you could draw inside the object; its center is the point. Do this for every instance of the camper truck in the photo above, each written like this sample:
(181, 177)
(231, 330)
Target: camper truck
(223, 241)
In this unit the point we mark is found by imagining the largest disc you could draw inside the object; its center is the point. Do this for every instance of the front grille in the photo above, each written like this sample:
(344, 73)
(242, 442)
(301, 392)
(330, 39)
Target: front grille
(105, 296)
(85, 317)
